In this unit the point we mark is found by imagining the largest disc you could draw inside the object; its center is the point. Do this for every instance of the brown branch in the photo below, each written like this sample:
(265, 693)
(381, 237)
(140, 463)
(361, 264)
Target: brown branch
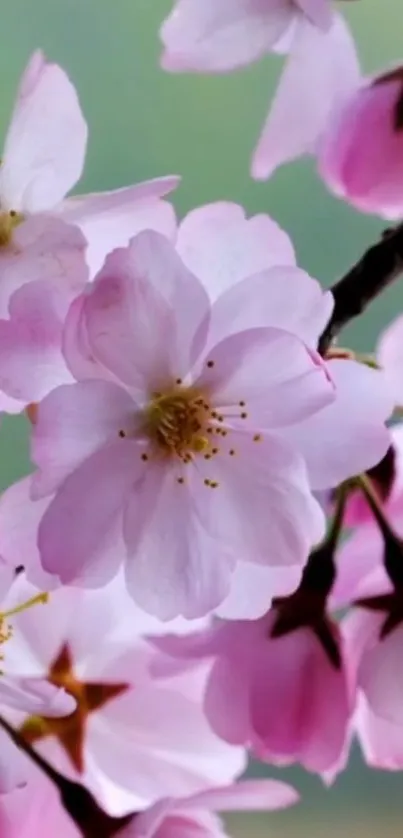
(78, 802)
(377, 269)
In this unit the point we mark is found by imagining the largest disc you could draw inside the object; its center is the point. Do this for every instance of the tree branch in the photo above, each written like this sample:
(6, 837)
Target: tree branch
(377, 269)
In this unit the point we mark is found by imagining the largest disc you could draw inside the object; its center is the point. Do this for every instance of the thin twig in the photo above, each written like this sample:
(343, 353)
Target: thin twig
(375, 271)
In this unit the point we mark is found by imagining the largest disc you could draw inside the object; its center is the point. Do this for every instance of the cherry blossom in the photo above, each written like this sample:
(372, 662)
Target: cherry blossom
(184, 435)
(39, 246)
(284, 695)
(38, 168)
(131, 739)
(360, 156)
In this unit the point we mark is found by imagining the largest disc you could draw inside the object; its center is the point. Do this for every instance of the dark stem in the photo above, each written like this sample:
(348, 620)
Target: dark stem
(377, 269)
(78, 802)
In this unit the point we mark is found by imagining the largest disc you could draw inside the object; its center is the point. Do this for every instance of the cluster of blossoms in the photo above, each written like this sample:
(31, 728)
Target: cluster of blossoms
(171, 595)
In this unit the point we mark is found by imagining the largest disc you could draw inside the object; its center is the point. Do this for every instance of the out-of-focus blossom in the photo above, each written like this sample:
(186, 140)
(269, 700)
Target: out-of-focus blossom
(361, 154)
(25, 692)
(39, 246)
(286, 697)
(389, 355)
(206, 37)
(36, 812)
(195, 816)
(131, 738)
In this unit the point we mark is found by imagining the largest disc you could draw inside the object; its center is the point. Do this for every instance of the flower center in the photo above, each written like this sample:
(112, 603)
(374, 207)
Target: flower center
(6, 631)
(177, 421)
(8, 221)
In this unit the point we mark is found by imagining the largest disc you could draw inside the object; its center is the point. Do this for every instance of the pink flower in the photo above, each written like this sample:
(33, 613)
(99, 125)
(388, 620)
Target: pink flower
(195, 816)
(21, 692)
(39, 168)
(42, 264)
(132, 737)
(202, 36)
(361, 155)
(286, 697)
(174, 440)
(35, 811)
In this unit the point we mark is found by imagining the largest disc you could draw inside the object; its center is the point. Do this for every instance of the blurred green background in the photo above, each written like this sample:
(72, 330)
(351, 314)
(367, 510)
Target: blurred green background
(145, 123)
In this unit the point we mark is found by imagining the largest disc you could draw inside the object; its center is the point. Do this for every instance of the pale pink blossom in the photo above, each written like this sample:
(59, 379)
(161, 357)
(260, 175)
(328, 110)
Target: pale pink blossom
(282, 696)
(24, 692)
(39, 246)
(172, 440)
(133, 738)
(39, 168)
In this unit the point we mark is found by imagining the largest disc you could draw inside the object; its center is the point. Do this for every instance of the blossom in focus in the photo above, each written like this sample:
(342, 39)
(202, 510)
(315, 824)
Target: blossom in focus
(168, 451)
(286, 696)
(39, 246)
(24, 692)
(132, 738)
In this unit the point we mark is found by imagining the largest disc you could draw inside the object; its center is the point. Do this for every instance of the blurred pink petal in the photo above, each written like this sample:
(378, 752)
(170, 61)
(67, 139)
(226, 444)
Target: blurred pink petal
(361, 157)
(38, 167)
(205, 36)
(321, 72)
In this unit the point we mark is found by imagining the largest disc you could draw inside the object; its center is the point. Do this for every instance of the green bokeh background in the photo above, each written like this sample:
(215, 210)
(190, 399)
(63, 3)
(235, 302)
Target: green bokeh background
(145, 123)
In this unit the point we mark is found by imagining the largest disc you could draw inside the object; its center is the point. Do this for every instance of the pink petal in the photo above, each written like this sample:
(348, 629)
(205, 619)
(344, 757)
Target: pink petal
(277, 377)
(74, 422)
(381, 741)
(294, 723)
(87, 509)
(110, 219)
(46, 248)
(38, 167)
(381, 677)
(161, 521)
(264, 300)
(245, 796)
(19, 521)
(35, 696)
(318, 11)
(360, 156)
(262, 510)
(157, 742)
(359, 567)
(349, 435)
(142, 291)
(221, 246)
(253, 588)
(76, 346)
(201, 35)
(13, 774)
(31, 359)
(390, 357)
(321, 72)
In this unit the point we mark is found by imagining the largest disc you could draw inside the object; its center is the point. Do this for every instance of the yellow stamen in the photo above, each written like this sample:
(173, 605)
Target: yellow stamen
(35, 600)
